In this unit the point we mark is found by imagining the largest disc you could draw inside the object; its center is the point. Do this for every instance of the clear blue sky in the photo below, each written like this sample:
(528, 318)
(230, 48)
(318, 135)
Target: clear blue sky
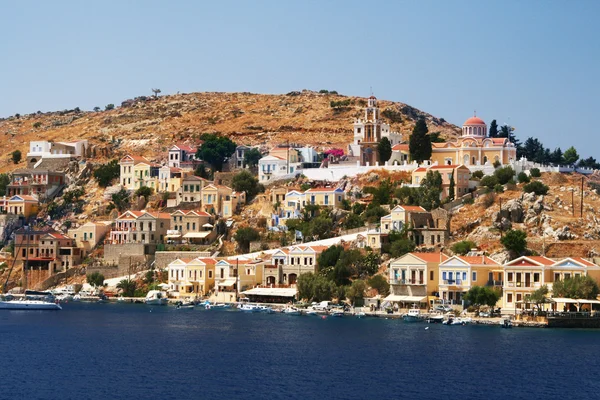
(533, 64)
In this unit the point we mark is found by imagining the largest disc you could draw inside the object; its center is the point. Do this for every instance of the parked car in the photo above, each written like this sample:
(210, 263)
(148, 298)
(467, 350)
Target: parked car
(443, 308)
(484, 314)
(322, 306)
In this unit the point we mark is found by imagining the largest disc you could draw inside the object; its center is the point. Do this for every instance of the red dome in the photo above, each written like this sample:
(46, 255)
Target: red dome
(474, 121)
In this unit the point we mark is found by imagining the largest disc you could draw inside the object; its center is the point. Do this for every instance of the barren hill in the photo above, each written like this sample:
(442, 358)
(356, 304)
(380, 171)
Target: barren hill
(148, 126)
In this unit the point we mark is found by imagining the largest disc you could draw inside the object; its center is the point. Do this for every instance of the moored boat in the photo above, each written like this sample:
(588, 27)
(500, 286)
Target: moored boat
(291, 311)
(156, 298)
(413, 315)
(28, 304)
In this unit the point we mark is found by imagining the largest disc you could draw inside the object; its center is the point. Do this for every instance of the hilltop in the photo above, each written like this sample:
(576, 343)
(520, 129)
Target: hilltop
(148, 125)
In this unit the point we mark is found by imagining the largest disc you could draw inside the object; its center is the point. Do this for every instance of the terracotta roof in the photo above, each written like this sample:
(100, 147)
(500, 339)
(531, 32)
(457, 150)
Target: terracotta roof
(582, 261)
(412, 208)
(420, 169)
(207, 260)
(452, 166)
(478, 260)
(185, 147)
(57, 235)
(400, 147)
(474, 121)
(312, 190)
(542, 260)
(531, 260)
(431, 257)
(136, 159)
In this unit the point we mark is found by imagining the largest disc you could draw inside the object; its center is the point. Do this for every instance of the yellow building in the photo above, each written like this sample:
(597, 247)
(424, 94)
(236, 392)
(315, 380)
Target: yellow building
(414, 278)
(191, 278)
(88, 235)
(328, 197)
(474, 147)
(461, 178)
(527, 274)
(458, 274)
(20, 205)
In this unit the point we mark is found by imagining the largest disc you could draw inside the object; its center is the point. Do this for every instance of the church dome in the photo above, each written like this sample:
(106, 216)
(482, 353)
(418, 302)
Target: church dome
(474, 121)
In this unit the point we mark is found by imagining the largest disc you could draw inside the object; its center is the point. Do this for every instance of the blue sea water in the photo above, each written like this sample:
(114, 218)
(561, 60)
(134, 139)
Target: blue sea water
(125, 351)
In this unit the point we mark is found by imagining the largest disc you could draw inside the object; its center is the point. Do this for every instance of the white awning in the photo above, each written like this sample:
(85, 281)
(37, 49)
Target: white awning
(277, 292)
(196, 235)
(186, 284)
(574, 301)
(173, 236)
(227, 282)
(207, 225)
(414, 299)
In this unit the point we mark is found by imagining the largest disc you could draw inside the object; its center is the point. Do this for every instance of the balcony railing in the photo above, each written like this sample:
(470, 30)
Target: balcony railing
(535, 285)
(408, 281)
(494, 283)
(457, 282)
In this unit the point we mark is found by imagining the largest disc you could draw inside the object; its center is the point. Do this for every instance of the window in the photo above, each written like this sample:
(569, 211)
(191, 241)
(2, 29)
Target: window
(509, 297)
(474, 278)
(519, 296)
(510, 277)
(430, 275)
(536, 276)
(444, 275)
(209, 274)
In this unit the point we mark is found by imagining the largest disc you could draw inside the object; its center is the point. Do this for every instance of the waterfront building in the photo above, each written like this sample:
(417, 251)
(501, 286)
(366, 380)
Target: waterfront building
(286, 264)
(526, 274)
(140, 227)
(191, 226)
(88, 235)
(414, 278)
(191, 278)
(458, 274)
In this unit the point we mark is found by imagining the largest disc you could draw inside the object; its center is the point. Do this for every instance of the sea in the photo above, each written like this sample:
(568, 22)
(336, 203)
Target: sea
(132, 351)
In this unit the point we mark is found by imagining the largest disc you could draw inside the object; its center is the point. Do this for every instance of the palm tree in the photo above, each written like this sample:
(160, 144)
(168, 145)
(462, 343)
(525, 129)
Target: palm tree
(128, 287)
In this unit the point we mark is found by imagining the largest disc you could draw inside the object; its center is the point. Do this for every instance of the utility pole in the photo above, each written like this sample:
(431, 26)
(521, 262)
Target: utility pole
(573, 201)
(582, 197)
(500, 217)
(237, 265)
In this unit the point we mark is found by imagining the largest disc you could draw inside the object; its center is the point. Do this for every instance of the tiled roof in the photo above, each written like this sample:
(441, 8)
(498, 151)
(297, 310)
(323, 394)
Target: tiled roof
(478, 260)
(430, 257)
(400, 147)
(312, 190)
(413, 208)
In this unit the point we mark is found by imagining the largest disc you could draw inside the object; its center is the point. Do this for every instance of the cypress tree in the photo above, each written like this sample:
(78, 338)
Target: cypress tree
(384, 148)
(420, 143)
(493, 132)
(451, 187)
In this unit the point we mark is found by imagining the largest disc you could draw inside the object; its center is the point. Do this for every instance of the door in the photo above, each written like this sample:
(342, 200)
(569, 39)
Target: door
(421, 277)
(413, 276)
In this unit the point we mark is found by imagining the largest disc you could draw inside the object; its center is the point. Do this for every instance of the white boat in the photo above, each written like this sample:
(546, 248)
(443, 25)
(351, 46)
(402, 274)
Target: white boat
(246, 307)
(291, 311)
(156, 298)
(414, 315)
(337, 313)
(311, 312)
(29, 305)
(435, 319)
(265, 309)
(361, 315)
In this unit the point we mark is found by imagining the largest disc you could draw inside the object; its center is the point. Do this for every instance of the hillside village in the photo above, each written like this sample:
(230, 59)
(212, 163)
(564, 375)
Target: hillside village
(309, 196)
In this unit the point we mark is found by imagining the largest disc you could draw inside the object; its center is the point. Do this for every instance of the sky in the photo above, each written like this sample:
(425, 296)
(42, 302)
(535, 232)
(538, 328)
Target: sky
(532, 64)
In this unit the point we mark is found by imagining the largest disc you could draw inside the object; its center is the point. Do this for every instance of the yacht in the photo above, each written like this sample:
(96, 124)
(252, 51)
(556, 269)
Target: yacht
(291, 311)
(246, 307)
(32, 301)
(156, 298)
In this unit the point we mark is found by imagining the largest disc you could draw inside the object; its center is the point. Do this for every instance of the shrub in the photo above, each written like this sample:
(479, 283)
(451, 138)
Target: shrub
(488, 200)
(477, 174)
(496, 164)
(535, 172)
(16, 156)
(536, 187)
(489, 181)
(109, 107)
(36, 125)
(515, 240)
(470, 200)
(499, 188)
(379, 283)
(106, 173)
(95, 279)
(245, 181)
(144, 192)
(504, 174)
(523, 178)
(463, 247)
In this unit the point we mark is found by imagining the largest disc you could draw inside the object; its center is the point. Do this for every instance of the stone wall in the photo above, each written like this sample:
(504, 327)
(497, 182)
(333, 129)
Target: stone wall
(164, 258)
(112, 252)
(125, 266)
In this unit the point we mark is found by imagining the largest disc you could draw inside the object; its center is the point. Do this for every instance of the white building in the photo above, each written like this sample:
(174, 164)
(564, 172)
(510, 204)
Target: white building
(275, 167)
(46, 149)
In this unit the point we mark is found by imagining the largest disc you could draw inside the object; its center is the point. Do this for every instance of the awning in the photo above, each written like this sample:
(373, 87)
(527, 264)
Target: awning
(207, 225)
(173, 236)
(573, 301)
(226, 283)
(414, 299)
(186, 284)
(196, 235)
(274, 292)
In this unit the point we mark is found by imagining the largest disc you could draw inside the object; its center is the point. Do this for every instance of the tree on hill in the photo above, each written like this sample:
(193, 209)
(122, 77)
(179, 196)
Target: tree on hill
(244, 236)
(419, 144)
(120, 200)
(538, 297)
(156, 92)
(251, 157)
(245, 181)
(215, 149)
(144, 192)
(430, 190)
(463, 247)
(451, 187)
(16, 156)
(384, 148)
(356, 292)
(493, 132)
(128, 287)
(106, 173)
(570, 156)
(536, 187)
(379, 283)
(95, 279)
(330, 256)
(4, 181)
(515, 240)
(109, 107)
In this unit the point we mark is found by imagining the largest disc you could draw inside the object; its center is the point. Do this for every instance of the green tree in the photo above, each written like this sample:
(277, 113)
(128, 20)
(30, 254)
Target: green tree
(37, 125)
(353, 221)
(536, 187)
(577, 287)
(570, 157)
(306, 286)
(400, 247)
(324, 289)
(384, 148)
(523, 178)
(95, 279)
(370, 265)
(374, 213)
(144, 192)
(489, 181)
(321, 227)
(72, 196)
(251, 157)
(120, 200)
(515, 240)
(329, 257)
(407, 196)
(419, 144)
(244, 236)
(245, 181)
(379, 283)
(215, 149)
(109, 107)
(539, 296)
(482, 296)
(96, 109)
(16, 156)
(4, 182)
(382, 193)
(504, 174)
(463, 247)
(430, 190)
(451, 187)
(128, 287)
(106, 173)
(493, 132)
(356, 292)
(535, 172)
(202, 172)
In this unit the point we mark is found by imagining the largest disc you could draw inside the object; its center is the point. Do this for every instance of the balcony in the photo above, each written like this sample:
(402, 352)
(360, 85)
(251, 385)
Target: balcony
(407, 282)
(455, 282)
(494, 283)
(534, 285)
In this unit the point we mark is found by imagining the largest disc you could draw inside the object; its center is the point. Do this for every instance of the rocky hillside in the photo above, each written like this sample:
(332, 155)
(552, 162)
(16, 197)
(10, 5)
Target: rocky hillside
(551, 225)
(147, 126)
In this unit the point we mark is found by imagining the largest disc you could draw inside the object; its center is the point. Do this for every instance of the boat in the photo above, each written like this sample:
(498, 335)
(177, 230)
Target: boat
(247, 307)
(361, 315)
(311, 312)
(265, 309)
(435, 319)
(413, 315)
(291, 311)
(181, 305)
(29, 304)
(507, 324)
(156, 298)
(337, 313)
